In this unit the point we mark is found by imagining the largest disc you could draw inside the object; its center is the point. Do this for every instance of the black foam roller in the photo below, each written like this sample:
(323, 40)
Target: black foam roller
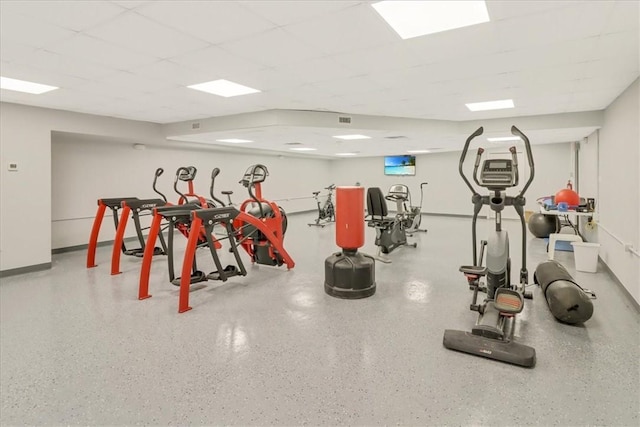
(566, 299)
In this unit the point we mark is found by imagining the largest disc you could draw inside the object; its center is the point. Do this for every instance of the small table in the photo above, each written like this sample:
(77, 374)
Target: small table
(554, 237)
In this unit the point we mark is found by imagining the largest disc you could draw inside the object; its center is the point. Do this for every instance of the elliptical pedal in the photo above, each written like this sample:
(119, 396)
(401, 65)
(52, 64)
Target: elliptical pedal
(196, 277)
(229, 271)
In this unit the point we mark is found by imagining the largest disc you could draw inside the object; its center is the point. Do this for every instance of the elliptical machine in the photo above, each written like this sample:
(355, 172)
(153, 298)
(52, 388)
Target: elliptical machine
(492, 336)
(326, 211)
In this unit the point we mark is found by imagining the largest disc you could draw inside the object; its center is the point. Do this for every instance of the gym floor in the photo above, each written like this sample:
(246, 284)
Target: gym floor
(272, 348)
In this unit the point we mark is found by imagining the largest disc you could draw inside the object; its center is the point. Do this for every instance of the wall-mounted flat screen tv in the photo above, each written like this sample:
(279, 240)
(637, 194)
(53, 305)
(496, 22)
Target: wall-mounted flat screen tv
(400, 165)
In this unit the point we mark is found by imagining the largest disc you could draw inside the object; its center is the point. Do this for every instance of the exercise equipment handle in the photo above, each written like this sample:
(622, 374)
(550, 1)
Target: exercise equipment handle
(478, 132)
(179, 172)
(158, 173)
(214, 173)
(517, 132)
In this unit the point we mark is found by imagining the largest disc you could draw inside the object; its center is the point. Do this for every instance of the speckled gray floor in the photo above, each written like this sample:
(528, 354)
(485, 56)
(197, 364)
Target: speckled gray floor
(77, 347)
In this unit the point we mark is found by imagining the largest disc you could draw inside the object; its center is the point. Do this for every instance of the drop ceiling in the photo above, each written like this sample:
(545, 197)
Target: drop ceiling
(134, 60)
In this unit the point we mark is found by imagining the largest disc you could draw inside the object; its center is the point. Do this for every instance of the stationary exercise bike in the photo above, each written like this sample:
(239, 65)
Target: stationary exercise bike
(326, 211)
(410, 215)
(391, 232)
(492, 336)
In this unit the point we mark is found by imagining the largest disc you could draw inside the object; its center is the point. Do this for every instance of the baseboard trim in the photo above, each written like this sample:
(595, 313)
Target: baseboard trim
(27, 269)
(85, 246)
(617, 281)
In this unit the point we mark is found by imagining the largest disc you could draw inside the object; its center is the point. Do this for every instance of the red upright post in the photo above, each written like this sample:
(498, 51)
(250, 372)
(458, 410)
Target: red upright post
(145, 270)
(93, 240)
(117, 243)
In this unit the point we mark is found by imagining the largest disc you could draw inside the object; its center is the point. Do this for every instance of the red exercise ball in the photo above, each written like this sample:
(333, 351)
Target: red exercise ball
(568, 196)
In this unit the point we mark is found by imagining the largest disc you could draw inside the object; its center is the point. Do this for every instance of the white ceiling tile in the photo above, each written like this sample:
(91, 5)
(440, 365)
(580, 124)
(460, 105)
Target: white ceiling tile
(217, 62)
(357, 27)
(130, 4)
(623, 44)
(391, 56)
(272, 47)
(140, 34)
(625, 16)
(295, 74)
(339, 56)
(37, 75)
(581, 20)
(12, 51)
(170, 71)
(505, 9)
(612, 67)
(29, 30)
(71, 65)
(283, 12)
(73, 15)
(130, 81)
(213, 21)
(100, 52)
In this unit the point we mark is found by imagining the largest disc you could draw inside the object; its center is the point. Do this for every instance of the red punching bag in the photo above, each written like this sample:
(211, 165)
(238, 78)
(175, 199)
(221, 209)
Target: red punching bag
(350, 217)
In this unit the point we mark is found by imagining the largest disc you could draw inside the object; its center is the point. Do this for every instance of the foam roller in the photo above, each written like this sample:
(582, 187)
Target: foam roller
(568, 302)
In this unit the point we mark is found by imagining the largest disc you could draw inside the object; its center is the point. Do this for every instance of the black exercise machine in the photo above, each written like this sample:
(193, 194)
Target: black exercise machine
(492, 336)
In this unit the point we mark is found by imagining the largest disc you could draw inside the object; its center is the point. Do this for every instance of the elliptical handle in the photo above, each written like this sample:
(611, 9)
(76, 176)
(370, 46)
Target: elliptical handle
(214, 173)
(517, 132)
(478, 132)
(159, 172)
(175, 182)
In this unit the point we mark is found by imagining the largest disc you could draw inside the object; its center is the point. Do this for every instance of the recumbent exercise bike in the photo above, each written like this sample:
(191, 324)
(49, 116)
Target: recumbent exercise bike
(391, 232)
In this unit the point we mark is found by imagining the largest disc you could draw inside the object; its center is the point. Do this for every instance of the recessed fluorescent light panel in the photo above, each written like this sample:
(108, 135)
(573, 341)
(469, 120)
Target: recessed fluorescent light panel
(418, 151)
(346, 154)
(24, 86)
(234, 140)
(490, 105)
(352, 137)
(303, 149)
(224, 88)
(418, 18)
(504, 139)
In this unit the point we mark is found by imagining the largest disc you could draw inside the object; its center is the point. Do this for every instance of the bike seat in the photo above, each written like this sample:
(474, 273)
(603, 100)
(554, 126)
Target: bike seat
(315, 193)
(227, 193)
(474, 270)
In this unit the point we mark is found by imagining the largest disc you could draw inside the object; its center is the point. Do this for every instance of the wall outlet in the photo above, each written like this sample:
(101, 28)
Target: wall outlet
(13, 167)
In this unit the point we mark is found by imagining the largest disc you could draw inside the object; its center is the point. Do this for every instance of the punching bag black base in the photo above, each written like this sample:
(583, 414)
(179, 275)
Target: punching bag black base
(350, 275)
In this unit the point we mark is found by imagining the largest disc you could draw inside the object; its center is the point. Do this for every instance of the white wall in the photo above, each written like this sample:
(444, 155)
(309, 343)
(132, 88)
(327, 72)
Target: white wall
(619, 193)
(25, 195)
(85, 169)
(446, 192)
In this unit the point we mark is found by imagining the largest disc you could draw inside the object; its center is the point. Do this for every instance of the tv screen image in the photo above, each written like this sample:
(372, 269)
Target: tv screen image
(400, 165)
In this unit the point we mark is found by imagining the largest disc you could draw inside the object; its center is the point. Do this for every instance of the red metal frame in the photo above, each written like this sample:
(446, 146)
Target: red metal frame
(145, 270)
(95, 231)
(262, 224)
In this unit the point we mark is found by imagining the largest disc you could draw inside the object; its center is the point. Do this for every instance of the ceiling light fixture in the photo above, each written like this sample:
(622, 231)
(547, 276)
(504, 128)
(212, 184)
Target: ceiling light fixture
(351, 137)
(490, 105)
(24, 86)
(418, 18)
(234, 140)
(303, 149)
(346, 154)
(223, 88)
(418, 151)
(504, 139)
